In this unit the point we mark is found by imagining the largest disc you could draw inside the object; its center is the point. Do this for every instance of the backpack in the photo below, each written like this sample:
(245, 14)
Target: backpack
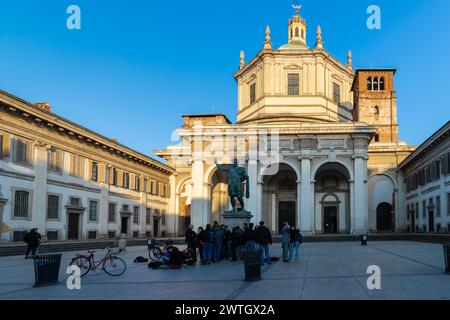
(140, 259)
(299, 238)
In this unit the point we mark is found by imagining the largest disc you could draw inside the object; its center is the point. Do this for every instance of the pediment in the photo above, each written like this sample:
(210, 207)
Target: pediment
(293, 66)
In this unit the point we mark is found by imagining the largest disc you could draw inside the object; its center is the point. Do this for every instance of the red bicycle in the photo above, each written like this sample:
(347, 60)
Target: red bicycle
(112, 265)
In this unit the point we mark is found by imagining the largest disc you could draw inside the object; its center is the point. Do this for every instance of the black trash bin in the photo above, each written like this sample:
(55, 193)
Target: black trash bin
(252, 265)
(447, 257)
(364, 239)
(46, 269)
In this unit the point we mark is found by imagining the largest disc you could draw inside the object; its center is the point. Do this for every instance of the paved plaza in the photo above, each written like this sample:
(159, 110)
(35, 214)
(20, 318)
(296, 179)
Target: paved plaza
(409, 270)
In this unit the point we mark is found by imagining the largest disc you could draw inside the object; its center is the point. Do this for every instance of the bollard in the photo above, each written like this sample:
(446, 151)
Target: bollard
(364, 239)
(447, 257)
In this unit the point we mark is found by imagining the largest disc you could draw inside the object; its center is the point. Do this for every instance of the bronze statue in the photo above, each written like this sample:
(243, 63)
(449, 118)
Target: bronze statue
(236, 177)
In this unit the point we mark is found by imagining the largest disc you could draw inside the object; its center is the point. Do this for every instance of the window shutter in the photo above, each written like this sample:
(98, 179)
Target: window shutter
(6, 146)
(132, 181)
(148, 185)
(141, 187)
(119, 178)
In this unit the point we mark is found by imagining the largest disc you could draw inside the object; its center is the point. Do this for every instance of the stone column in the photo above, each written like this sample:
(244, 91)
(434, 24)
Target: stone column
(198, 201)
(103, 211)
(172, 208)
(299, 204)
(273, 212)
(400, 200)
(252, 202)
(360, 195)
(38, 209)
(2, 205)
(306, 194)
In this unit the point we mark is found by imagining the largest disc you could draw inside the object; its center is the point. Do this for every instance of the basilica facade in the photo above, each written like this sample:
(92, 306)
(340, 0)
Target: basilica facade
(319, 141)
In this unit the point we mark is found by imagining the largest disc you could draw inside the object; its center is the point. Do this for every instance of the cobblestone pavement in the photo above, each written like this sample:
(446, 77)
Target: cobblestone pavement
(409, 270)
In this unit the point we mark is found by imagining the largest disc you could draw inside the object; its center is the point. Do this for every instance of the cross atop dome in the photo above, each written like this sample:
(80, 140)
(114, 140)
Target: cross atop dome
(297, 28)
(297, 8)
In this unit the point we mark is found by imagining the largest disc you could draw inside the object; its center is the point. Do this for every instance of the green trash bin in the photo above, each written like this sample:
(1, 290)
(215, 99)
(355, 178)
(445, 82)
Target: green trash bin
(46, 269)
(252, 265)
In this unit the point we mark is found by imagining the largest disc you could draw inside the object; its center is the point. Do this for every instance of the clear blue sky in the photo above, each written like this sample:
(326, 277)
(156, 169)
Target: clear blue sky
(137, 65)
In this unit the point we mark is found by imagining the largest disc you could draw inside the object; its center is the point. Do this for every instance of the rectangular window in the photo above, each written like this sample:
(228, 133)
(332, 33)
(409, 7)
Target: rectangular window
(94, 171)
(76, 165)
(252, 93)
(125, 208)
(22, 151)
(136, 215)
(75, 201)
(55, 160)
(18, 236)
(163, 217)
(148, 234)
(114, 177)
(21, 204)
(135, 234)
(137, 186)
(424, 209)
(52, 235)
(111, 234)
(438, 206)
(448, 204)
(164, 191)
(148, 215)
(93, 208)
(126, 180)
(112, 212)
(157, 188)
(52, 206)
(293, 84)
(92, 235)
(336, 93)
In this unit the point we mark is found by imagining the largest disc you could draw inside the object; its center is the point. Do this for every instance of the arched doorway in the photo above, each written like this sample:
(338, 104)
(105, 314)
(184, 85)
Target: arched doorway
(219, 199)
(184, 207)
(384, 217)
(332, 199)
(279, 201)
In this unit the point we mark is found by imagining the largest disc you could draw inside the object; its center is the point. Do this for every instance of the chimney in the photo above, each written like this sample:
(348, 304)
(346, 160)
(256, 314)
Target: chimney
(44, 106)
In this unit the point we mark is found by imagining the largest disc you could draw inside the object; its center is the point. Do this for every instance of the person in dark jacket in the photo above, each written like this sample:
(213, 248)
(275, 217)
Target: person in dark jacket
(191, 241)
(207, 239)
(295, 244)
(226, 243)
(249, 238)
(218, 240)
(33, 240)
(199, 243)
(236, 241)
(263, 238)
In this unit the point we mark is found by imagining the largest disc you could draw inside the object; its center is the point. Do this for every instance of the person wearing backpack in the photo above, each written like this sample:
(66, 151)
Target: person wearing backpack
(295, 243)
(191, 241)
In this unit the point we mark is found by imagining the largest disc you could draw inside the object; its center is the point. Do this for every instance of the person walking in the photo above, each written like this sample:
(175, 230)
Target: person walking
(295, 244)
(200, 243)
(263, 238)
(191, 241)
(285, 232)
(218, 240)
(33, 240)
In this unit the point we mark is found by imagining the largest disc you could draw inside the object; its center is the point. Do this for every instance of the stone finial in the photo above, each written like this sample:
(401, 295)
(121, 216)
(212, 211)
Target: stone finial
(267, 44)
(319, 42)
(241, 59)
(349, 60)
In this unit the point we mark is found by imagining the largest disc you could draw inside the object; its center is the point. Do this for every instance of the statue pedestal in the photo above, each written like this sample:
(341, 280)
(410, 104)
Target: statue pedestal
(233, 219)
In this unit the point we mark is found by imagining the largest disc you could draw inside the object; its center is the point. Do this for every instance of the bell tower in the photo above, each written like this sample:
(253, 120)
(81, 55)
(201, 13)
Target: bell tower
(375, 102)
(297, 28)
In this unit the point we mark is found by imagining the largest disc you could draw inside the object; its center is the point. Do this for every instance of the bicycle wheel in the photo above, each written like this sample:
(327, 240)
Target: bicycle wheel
(83, 263)
(155, 254)
(114, 266)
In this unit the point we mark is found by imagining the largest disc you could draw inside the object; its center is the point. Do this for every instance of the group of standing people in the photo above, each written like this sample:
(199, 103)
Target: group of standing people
(291, 241)
(217, 242)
